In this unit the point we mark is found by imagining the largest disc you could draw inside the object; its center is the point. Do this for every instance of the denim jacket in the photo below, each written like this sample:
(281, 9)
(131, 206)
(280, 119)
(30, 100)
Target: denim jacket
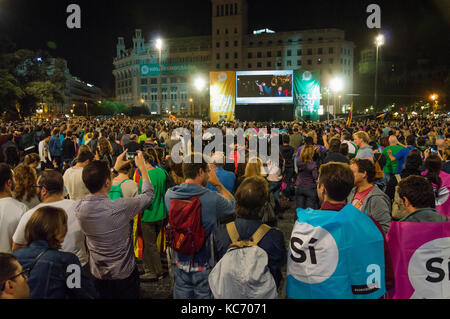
(47, 279)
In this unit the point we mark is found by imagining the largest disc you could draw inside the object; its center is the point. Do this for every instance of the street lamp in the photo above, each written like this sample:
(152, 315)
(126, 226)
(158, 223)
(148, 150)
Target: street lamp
(379, 41)
(158, 45)
(87, 113)
(199, 84)
(336, 86)
(434, 97)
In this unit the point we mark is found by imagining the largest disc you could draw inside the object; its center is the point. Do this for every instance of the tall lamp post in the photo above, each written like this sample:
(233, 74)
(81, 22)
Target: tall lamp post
(379, 41)
(336, 85)
(200, 84)
(158, 45)
(87, 113)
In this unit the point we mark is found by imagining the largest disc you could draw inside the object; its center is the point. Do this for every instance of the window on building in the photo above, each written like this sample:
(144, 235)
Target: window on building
(251, 43)
(320, 38)
(235, 8)
(226, 44)
(330, 50)
(217, 44)
(278, 64)
(217, 66)
(227, 66)
(235, 30)
(218, 31)
(173, 80)
(143, 81)
(299, 52)
(259, 55)
(280, 41)
(217, 11)
(235, 65)
(309, 51)
(235, 55)
(320, 51)
(164, 80)
(227, 55)
(154, 94)
(269, 54)
(218, 56)
(269, 64)
(331, 60)
(164, 94)
(289, 53)
(249, 65)
(299, 62)
(288, 63)
(278, 53)
(309, 62)
(235, 43)
(221, 10)
(226, 9)
(259, 64)
(249, 55)
(231, 9)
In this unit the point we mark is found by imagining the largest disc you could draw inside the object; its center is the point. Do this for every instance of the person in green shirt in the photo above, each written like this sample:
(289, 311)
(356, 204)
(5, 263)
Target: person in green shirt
(142, 137)
(390, 168)
(152, 220)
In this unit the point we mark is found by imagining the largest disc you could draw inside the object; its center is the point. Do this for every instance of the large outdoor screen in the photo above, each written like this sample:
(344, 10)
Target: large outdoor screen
(264, 87)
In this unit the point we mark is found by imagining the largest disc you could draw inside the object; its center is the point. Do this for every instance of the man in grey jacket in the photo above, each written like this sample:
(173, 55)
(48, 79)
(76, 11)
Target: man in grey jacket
(418, 195)
(366, 196)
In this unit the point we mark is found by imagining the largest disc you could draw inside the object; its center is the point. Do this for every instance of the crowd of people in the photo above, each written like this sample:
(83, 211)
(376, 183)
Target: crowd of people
(79, 193)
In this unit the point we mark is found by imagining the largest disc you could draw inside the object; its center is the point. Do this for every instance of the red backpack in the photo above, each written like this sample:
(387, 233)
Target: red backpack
(185, 233)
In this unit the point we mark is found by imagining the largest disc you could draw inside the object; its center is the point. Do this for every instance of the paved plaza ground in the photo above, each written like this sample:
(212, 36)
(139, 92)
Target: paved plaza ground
(163, 288)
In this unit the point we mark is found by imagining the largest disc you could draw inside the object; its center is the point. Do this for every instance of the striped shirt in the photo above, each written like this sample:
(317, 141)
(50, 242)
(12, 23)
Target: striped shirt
(108, 232)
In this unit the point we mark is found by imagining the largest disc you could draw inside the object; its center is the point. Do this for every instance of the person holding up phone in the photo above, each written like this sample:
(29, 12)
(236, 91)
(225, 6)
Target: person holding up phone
(106, 224)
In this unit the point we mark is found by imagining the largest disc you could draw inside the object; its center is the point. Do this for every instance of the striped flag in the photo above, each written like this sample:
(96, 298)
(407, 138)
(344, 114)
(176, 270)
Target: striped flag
(349, 121)
(172, 117)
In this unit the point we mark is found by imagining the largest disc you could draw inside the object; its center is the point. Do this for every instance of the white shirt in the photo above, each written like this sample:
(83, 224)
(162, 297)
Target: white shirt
(351, 147)
(41, 151)
(74, 185)
(74, 242)
(11, 211)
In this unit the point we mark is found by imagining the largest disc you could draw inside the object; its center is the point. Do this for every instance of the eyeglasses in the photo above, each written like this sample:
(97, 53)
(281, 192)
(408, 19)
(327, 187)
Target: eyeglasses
(25, 274)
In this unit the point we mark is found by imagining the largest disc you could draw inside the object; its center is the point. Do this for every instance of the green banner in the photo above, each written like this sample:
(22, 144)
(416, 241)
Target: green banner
(307, 94)
(167, 69)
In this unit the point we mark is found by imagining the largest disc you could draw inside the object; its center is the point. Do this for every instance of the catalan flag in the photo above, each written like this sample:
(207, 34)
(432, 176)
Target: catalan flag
(172, 117)
(349, 121)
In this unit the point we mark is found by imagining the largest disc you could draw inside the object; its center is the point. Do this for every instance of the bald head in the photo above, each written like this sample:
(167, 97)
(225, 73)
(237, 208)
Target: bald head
(393, 140)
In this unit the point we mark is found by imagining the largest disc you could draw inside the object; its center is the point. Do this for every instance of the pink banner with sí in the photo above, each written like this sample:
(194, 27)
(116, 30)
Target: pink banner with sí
(420, 255)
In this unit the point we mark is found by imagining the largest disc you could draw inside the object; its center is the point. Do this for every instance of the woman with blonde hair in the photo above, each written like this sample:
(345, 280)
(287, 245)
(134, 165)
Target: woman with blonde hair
(253, 167)
(25, 191)
(305, 190)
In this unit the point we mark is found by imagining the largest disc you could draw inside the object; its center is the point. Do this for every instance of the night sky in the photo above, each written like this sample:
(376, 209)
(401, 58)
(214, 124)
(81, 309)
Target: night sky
(413, 29)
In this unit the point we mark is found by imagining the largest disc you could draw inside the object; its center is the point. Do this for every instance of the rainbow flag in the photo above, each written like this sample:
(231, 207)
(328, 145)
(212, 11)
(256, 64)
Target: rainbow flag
(350, 115)
(138, 242)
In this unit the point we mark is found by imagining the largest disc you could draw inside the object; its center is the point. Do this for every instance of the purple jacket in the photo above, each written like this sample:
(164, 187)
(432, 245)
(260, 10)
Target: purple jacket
(307, 174)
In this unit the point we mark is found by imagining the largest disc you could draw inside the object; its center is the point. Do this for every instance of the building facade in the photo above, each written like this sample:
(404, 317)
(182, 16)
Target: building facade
(230, 47)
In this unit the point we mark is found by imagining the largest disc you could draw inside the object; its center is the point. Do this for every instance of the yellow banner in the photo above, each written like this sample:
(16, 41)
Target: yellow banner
(222, 95)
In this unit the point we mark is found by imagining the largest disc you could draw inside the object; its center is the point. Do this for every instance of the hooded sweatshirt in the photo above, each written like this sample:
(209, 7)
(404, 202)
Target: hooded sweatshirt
(425, 215)
(376, 205)
(214, 207)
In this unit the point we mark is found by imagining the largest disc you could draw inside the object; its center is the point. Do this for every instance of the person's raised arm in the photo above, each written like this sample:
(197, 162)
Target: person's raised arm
(215, 182)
